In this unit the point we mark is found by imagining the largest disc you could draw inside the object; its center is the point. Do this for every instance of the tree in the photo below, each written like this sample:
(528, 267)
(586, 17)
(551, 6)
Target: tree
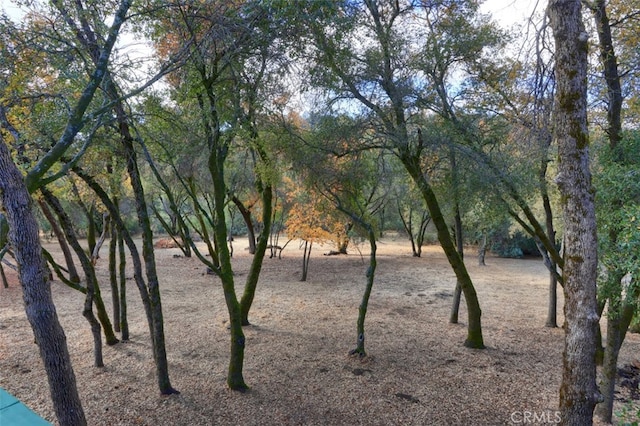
(227, 43)
(578, 392)
(39, 307)
(617, 200)
(309, 220)
(23, 231)
(379, 75)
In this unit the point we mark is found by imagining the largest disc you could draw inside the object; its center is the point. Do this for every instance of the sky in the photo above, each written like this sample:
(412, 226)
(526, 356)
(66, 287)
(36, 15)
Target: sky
(510, 12)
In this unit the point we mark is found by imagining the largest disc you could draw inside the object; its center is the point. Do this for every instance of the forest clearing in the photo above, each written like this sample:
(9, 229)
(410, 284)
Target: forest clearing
(296, 360)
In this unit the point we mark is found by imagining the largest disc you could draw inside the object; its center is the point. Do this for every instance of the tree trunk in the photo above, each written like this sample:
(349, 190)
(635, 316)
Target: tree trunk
(124, 323)
(71, 267)
(457, 293)
(5, 283)
(246, 216)
(408, 227)
(261, 248)
(95, 253)
(482, 249)
(474, 329)
(90, 277)
(362, 310)
(88, 268)
(617, 320)
(135, 257)
(235, 379)
(91, 226)
(36, 292)
(306, 257)
(578, 392)
(113, 278)
(617, 325)
(157, 332)
(552, 311)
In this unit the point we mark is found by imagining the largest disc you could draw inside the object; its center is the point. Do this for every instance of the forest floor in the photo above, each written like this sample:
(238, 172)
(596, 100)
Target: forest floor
(296, 360)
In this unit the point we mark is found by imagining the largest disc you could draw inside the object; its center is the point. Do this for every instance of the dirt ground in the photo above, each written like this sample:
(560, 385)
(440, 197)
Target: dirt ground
(418, 372)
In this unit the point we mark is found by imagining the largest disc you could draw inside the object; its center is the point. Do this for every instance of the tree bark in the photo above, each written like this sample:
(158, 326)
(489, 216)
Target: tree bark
(306, 257)
(36, 292)
(133, 250)
(578, 391)
(482, 249)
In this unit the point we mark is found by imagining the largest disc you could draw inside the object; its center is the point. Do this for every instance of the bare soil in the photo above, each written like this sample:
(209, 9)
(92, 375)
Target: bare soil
(296, 361)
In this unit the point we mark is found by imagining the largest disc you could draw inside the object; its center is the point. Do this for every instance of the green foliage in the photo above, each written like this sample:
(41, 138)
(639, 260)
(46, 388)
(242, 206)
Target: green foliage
(628, 415)
(617, 180)
(513, 245)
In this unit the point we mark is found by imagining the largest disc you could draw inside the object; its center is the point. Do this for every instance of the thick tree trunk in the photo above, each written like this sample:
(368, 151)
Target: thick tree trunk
(578, 392)
(235, 378)
(36, 292)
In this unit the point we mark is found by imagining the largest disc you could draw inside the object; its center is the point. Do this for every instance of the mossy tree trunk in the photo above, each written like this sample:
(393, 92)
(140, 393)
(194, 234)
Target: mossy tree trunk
(138, 273)
(92, 289)
(578, 392)
(153, 285)
(251, 283)
(217, 156)
(474, 328)
(371, 272)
